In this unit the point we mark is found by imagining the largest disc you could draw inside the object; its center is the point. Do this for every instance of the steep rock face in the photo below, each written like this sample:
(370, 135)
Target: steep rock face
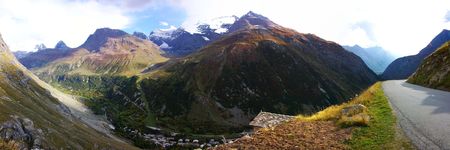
(23, 95)
(375, 57)
(403, 67)
(260, 66)
(434, 71)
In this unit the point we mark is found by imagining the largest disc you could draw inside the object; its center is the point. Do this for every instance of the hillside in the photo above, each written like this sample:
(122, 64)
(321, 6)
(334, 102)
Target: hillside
(404, 67)
(107, 52)
(34, 115)
(434, 71)
(260, 66)
(375, 57)
(324, 129)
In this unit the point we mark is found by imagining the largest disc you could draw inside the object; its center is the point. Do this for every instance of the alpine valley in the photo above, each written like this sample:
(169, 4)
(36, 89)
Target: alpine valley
(34, 115)
(211, 81)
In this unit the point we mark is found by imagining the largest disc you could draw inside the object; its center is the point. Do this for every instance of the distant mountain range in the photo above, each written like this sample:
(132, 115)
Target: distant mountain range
(404, 67)
(33, 116)
(43, 56)
(434, 71)
(375, 57)
(106, 52)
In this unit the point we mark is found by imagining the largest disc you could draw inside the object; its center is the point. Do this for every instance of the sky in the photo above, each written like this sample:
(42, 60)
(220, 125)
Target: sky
(402, 27)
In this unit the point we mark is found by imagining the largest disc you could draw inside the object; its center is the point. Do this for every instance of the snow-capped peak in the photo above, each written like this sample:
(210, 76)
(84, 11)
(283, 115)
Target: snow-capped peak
(163, 33)
(219, 25)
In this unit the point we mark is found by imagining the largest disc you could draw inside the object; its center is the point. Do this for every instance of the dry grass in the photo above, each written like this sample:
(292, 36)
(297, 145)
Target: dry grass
(333, 113)
(322, 131)
(380, 132)
(295, 135)
(8, 146)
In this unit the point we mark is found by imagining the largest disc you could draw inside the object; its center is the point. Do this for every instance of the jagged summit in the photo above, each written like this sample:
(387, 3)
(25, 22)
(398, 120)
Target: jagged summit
(252, 14)
(100, 36)
(61, 45)
(39, 47)
(252, 19)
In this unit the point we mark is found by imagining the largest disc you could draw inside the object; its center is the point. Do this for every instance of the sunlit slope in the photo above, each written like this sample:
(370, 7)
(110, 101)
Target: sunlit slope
(22, 94)
(434, 71)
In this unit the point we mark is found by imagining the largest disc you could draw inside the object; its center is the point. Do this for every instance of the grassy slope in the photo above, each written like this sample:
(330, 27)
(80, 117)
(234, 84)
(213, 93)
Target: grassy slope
(434, 72)
(22, 95)
(121, 56)
(380, 133)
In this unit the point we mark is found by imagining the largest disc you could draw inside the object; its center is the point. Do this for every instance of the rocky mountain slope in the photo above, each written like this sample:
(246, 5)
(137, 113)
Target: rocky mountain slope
(375, 57)
(258, 66)
(434, 71)
(34, 115)
(106, 52)
(403, 67)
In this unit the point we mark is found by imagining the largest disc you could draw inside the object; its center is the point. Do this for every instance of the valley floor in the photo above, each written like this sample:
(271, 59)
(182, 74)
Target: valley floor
(423, 113)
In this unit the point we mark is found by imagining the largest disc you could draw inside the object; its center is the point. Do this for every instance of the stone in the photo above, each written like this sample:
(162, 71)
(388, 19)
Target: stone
(353, 110)
(22, 132)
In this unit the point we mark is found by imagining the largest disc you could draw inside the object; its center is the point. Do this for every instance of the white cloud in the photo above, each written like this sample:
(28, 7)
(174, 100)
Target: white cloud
(25, 23)
(401, 26)
(163, 23)
(129, 5)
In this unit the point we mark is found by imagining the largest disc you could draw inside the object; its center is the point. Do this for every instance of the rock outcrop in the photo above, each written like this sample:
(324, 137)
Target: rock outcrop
(434, 72)
(22, 133)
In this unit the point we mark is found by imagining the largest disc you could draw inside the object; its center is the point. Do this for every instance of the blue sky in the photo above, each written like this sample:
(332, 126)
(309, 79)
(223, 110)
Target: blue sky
(153, 18)
(399, 28)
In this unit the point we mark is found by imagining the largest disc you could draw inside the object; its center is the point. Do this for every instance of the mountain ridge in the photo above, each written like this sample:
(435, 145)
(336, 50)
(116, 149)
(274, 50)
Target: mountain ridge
(403, 67)
(105, 52)
(228, 78)
(434, 71)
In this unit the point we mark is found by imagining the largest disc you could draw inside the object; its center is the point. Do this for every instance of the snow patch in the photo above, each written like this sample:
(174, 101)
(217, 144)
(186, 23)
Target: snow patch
(215, 24)
(163, 33)
(164, 45)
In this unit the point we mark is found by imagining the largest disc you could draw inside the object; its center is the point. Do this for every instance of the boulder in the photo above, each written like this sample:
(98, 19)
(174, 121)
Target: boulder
(353, 110)
(354, 115)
